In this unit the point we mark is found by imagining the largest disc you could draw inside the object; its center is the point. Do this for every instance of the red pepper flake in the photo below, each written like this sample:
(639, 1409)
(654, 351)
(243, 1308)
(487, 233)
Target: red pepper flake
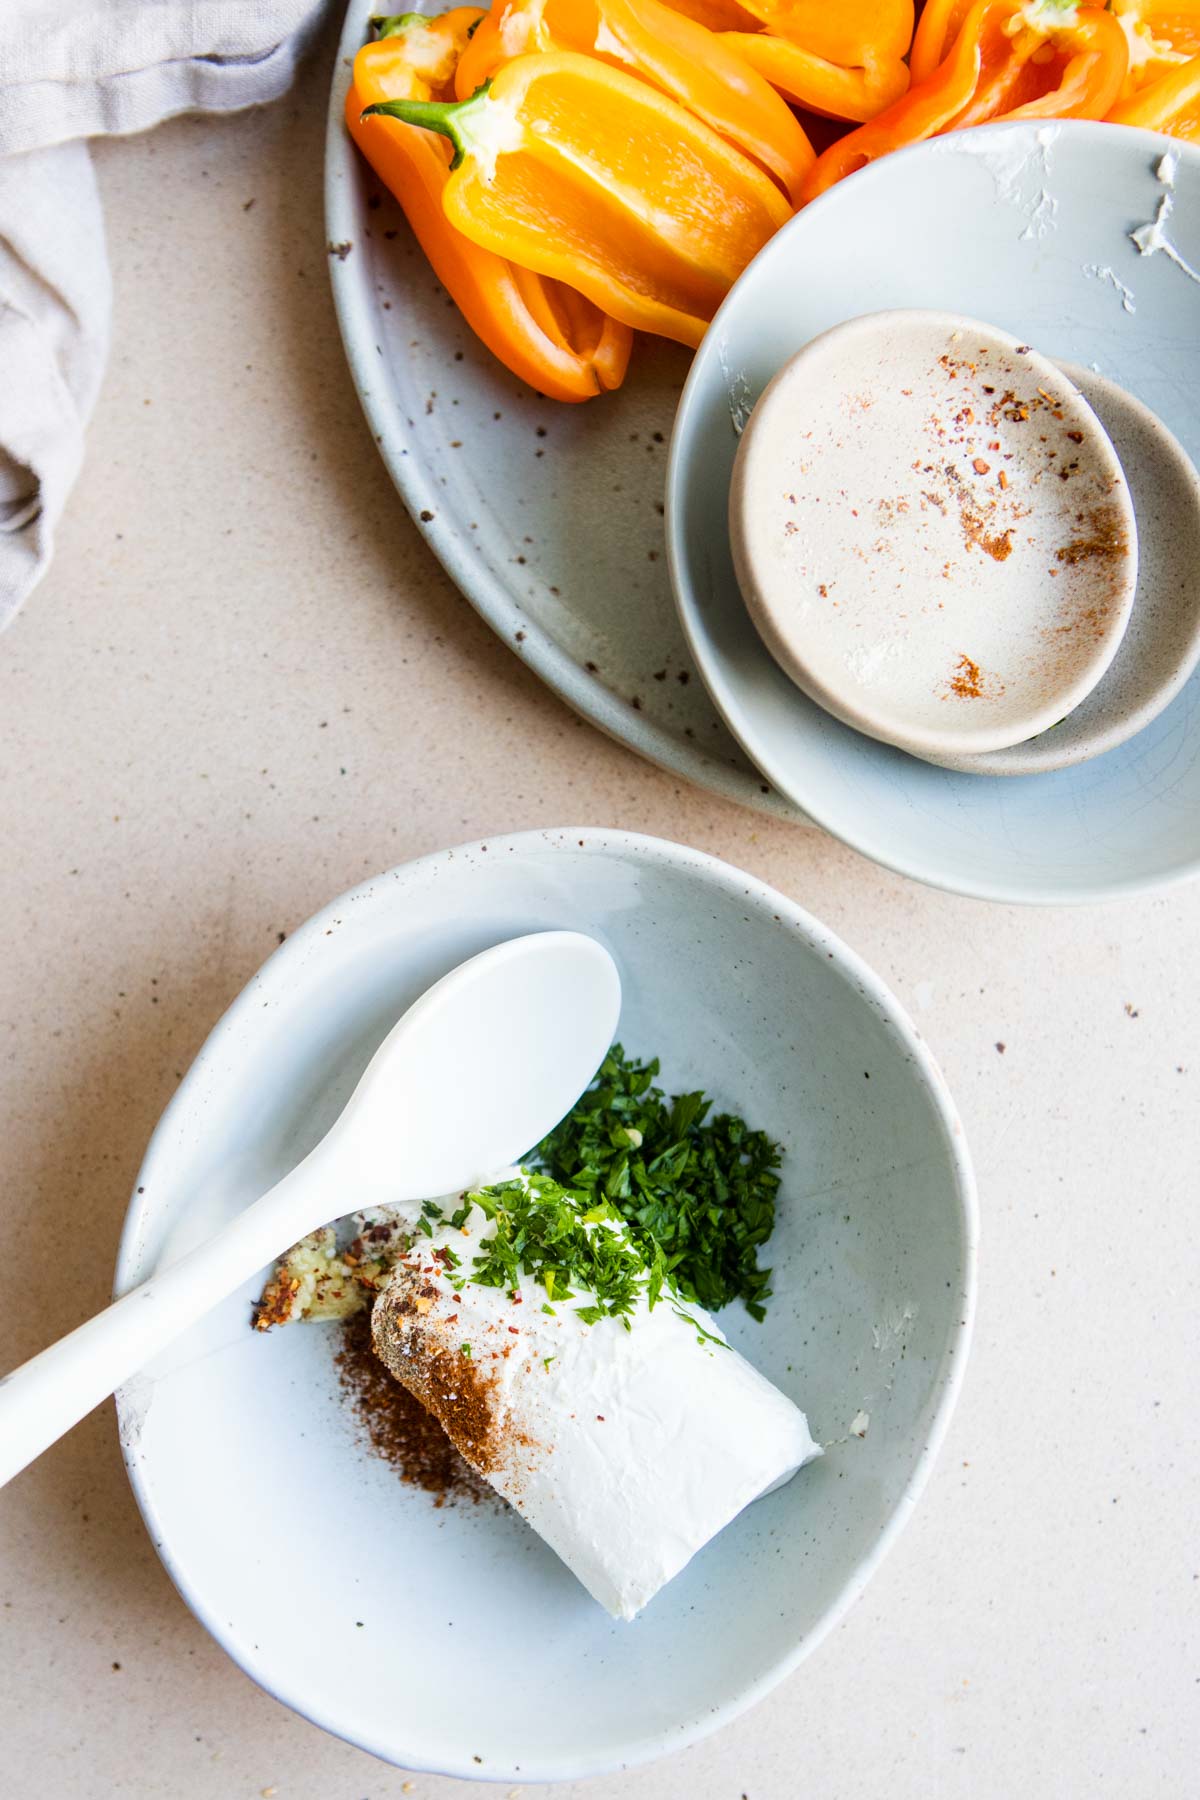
(515, 1329)
(600, 1418)
(980, 467)
(1003, 479)
(1076, 437)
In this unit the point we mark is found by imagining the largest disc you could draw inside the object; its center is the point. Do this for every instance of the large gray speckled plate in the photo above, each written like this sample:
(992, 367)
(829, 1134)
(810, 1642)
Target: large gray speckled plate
(548, 517)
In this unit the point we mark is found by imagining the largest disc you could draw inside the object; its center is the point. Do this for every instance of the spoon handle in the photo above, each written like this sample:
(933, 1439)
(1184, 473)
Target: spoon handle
(47, 1395)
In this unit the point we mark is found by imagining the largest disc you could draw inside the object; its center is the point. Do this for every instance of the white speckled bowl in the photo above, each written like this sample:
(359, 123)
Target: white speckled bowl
(453, 1640)
(1030, 227)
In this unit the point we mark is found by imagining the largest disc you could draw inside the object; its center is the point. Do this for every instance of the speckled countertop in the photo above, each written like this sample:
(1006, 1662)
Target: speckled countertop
(244, 686)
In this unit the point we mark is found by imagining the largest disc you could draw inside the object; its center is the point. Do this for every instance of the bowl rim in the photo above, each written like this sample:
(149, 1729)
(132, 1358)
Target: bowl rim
(1014, 891)
(365, 902)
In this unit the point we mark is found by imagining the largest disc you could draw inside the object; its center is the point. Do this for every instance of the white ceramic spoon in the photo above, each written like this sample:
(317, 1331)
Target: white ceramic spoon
(476, 1072)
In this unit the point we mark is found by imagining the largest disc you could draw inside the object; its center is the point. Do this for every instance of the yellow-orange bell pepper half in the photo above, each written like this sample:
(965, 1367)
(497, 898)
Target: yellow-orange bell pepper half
(483, 55)
(675, 54)
(581, 172)
(1170, 104)
(558, 344)
(814, 82)
(1011, 59)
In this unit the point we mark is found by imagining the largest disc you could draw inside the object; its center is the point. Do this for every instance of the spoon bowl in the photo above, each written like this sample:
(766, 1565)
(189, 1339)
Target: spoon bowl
(476, 1072)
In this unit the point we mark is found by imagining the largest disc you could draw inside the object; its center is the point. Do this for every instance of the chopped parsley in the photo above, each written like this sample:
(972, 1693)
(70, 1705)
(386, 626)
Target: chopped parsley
(697, 1193)
(568, 1243)
(635, 1195)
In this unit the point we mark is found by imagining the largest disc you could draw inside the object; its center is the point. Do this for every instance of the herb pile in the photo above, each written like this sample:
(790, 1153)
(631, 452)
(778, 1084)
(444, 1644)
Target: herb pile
(697, 1193)
(543, 1229)
(635, 1195)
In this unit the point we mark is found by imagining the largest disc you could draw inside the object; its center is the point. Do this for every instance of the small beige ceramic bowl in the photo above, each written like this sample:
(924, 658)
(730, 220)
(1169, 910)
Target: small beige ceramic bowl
(933, 533)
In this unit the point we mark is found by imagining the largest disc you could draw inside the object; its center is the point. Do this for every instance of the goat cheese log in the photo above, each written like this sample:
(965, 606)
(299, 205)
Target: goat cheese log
(627, 1450)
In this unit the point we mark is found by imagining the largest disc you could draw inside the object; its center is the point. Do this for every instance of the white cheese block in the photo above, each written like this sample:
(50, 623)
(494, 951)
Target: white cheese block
(627, 1450)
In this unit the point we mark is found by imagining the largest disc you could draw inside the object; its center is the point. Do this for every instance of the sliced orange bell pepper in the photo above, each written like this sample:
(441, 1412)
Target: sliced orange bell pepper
(854, 33)
(812, 81)
(718, 15)
(581, 172)
(845, 62)
(559, 344)
(1047, 59)
(1162, 35)
(674, 54)
(938, 26)
(1170, 104)
(926, 109)
(1011, 59)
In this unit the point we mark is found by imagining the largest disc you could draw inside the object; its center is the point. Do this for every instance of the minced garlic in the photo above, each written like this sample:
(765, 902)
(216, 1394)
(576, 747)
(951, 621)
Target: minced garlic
(317, 1281)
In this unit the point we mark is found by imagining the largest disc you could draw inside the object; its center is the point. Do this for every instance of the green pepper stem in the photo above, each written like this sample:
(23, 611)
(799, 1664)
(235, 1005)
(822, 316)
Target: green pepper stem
(445, 116)
(396, 24)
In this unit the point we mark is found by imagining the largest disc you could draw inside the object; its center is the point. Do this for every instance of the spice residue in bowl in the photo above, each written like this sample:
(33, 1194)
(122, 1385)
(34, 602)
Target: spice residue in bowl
(398, 1427)
(1106, 539)
(969, 682)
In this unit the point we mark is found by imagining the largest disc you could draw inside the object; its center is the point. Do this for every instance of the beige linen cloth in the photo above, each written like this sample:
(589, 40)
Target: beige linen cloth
(70, 70)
